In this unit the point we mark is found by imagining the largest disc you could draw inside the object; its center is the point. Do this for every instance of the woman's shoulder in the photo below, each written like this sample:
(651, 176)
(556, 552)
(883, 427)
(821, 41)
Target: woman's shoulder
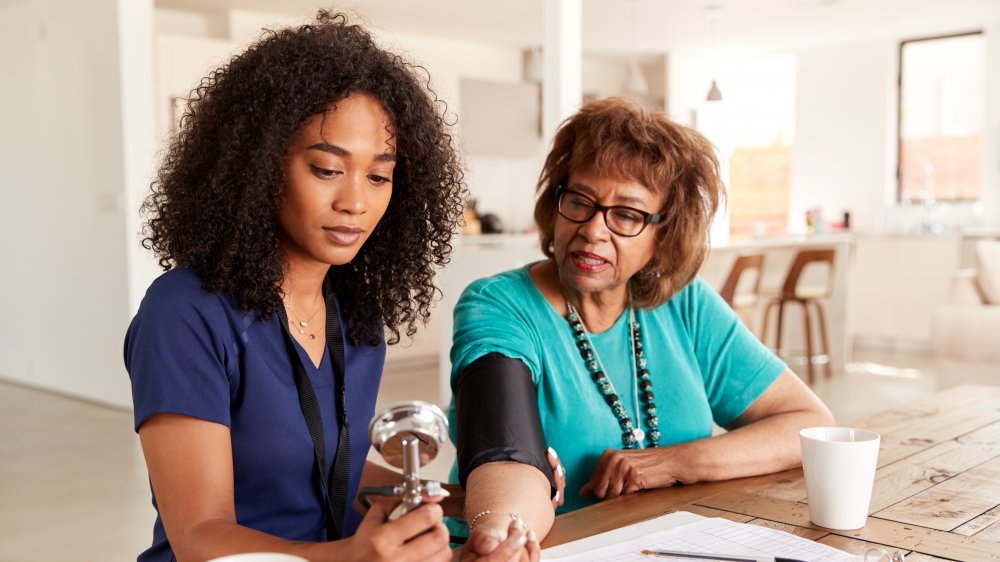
(176, 283)
(176, 280)
(697, 288)
(514, 283)
(177, 309)
(689, 299)
(692, 290)
(178, 291)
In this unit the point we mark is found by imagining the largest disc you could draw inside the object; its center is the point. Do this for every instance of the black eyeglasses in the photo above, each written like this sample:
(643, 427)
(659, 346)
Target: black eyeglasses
(623, 221)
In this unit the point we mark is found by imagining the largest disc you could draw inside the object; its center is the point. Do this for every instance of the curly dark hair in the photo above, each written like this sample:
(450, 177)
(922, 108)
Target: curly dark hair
(617, 137)
(214, 204)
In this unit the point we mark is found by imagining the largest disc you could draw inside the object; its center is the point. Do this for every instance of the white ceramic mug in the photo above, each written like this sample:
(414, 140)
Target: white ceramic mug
(839, 465)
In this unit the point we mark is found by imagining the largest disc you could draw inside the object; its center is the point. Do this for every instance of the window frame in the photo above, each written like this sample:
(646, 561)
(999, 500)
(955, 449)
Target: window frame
(899, 114)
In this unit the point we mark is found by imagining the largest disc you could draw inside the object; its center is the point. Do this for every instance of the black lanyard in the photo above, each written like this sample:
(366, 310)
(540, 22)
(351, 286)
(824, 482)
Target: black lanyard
(334, 489)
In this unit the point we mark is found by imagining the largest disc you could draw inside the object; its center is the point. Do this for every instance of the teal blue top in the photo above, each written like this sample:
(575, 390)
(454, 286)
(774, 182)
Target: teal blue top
(705, 366)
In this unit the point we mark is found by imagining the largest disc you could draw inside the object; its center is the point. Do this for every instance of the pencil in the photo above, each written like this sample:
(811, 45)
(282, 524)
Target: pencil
(720, 557)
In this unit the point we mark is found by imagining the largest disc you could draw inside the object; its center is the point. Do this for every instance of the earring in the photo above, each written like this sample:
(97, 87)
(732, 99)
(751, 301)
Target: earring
(552, 248)
(655, 274)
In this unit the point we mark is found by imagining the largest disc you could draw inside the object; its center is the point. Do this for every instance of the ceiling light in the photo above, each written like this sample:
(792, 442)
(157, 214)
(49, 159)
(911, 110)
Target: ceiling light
(714, 94)
(713, 14)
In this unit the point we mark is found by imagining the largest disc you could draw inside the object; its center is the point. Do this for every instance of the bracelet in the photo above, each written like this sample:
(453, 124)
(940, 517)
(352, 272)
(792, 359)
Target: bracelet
(514, 516)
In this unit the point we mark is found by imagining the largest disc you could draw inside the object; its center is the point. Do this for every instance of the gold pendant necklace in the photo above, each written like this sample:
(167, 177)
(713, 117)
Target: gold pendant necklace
(300, 324)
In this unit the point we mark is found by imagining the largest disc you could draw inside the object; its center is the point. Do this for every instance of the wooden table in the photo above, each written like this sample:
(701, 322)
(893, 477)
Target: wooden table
(936, 495)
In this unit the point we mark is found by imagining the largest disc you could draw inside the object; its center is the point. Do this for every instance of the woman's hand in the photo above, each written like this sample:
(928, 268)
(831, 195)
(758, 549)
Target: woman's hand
(489, 543)
(620, 472)
(559, 473)
(418, 535)
(762, 440)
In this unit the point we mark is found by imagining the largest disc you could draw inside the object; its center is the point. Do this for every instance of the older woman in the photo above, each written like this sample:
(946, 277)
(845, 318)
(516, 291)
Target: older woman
(612, 351)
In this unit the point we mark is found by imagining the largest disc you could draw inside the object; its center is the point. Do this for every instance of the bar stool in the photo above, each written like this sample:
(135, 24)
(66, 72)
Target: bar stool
(805, 295)
(741, 299)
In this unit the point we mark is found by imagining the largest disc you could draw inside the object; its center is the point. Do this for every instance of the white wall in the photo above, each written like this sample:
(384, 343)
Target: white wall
(180, 22)
(138, 110)
(64, 232)
(504, 186)
(181, 62)
(844, 153)
(845, 145)
(603, 77)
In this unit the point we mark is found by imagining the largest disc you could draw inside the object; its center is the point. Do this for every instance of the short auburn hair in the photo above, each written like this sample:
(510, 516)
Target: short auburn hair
(616, 137)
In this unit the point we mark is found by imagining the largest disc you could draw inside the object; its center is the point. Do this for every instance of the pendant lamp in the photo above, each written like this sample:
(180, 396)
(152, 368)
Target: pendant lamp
(713, 13)
(714, 94)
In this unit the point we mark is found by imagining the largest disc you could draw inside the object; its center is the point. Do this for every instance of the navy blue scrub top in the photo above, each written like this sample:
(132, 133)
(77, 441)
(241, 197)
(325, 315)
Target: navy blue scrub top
(195, 353)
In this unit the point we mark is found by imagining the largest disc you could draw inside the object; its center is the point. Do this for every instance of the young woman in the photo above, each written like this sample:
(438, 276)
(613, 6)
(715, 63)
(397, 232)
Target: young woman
(299, 214)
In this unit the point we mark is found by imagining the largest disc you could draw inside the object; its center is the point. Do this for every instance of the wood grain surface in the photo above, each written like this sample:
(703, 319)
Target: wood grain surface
(936, 493)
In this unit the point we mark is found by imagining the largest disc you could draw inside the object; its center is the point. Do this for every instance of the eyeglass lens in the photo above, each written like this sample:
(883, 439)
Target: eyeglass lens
(579, 208)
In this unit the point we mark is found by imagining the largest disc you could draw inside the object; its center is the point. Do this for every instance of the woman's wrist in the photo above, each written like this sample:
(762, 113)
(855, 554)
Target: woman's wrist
(492, 519)
(687, 464)
(500, 534)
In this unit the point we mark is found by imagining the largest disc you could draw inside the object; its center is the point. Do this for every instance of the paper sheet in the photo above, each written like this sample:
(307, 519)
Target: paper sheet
(692, 533)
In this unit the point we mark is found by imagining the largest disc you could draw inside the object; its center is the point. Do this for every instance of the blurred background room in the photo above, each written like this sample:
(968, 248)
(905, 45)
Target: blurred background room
(859, 140)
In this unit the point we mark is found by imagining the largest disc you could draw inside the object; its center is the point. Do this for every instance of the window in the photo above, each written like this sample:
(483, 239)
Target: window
(941, 85)
(753, 126)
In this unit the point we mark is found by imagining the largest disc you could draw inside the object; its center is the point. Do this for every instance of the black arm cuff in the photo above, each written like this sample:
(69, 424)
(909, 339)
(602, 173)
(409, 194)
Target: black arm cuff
(497, 417)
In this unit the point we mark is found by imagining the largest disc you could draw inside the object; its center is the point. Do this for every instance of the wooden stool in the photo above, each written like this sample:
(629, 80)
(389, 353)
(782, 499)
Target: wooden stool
(744, 302)
(805, 296)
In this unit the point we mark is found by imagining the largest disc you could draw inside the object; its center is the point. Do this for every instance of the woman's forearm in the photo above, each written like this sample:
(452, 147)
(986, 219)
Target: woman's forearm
(764, 439)
(508, 488)
(219, 537)
(765, 446)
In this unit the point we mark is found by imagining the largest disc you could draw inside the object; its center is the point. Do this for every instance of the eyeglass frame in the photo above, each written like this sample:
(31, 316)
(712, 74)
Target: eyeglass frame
(647, 218)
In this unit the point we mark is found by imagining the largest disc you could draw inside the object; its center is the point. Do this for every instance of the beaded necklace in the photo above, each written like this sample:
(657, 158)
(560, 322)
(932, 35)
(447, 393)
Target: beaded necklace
(632, 435)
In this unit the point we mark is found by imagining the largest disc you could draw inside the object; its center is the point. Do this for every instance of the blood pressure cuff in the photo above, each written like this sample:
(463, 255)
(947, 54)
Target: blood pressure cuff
(497, 417)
